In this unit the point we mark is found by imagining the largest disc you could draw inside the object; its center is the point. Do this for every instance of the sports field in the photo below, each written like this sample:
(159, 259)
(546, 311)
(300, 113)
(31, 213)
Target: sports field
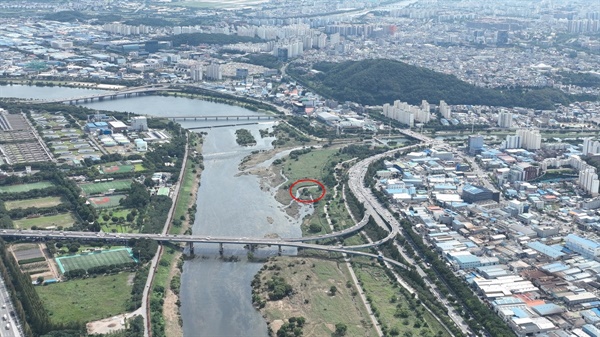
(65, 220)
(97, 188)
(90, 260)
(37, 202)
(25, 187)
(106, 202)
(117, 169)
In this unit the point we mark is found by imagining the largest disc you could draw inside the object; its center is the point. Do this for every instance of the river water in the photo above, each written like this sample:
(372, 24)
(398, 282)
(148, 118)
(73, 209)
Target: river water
(215, 295)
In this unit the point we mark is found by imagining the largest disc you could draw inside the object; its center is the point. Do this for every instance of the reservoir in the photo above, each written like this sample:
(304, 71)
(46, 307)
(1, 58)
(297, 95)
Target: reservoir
(215, 295)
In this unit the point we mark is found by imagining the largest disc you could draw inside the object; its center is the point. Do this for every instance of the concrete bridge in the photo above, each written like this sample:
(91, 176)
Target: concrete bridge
(127, 92)
(190, 240)
(223, 117)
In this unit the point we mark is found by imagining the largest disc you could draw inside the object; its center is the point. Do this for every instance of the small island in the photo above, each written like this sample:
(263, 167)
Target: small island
(244, 137)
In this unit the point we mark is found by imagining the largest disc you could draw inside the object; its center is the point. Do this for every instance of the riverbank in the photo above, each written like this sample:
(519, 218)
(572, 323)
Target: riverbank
(170, 266)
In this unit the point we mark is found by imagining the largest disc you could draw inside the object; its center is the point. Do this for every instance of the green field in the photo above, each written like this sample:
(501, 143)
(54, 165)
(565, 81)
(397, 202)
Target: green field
(25, 187)
(311, 280)
(65, 220)
(88, 299)
(97, 188)
(396, 310)
(310, 165)
(138, 167)
(36, 202)
(90, 260)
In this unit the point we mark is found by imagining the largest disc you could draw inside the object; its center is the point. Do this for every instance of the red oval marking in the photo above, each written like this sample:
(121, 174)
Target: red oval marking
(309, 201)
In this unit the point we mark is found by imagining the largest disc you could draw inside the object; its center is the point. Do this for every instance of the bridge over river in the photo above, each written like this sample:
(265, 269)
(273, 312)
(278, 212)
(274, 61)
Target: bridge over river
(252, 243)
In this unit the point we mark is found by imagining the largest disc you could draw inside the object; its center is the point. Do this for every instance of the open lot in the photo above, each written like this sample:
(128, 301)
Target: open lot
(36, 202)
(107, 201)
(64, 220)
(103, 187)
(90, 260)
(311, 280)
(88, 299)
(25, 187)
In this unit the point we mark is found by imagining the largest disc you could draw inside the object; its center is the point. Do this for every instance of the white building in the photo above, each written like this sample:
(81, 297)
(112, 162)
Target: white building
(445, 110)
(406, 113)
(505, 119)
(213, 72)
(139, 123)
(588, 180)
(590, 146)
(196, 73)
(512, 142)
(530, 139)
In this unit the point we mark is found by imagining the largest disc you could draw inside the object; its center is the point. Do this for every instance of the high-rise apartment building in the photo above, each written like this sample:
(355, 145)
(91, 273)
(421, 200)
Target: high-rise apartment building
(505, 119)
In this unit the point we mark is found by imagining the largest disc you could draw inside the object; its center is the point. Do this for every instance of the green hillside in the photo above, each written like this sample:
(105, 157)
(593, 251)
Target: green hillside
(375, 82)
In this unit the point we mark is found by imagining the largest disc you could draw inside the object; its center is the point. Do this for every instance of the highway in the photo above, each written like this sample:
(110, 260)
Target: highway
(11, 321)
(379, 213)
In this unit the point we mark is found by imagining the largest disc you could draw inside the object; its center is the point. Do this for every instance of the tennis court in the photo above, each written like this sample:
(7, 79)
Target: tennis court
(103, 187)
(25, 187)
(106, 202)
(90, 260)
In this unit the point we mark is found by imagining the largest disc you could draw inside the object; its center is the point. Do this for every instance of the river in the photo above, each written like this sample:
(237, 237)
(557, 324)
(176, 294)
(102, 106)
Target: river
(215, 295)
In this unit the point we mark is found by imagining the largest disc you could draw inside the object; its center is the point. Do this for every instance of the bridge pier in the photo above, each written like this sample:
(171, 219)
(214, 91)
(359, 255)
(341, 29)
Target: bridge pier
(252, 247)
(221, 249)
(191, 248)
(279, 250)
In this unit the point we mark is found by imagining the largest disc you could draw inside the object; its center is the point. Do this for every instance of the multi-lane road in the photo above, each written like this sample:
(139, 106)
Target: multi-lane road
(10, 325)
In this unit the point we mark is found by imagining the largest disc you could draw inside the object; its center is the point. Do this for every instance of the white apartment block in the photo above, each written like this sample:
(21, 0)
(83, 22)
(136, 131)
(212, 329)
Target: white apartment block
(590, 146)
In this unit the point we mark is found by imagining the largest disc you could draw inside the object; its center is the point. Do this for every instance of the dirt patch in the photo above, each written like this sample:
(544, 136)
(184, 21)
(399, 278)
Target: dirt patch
(130, 279)
(111, 324)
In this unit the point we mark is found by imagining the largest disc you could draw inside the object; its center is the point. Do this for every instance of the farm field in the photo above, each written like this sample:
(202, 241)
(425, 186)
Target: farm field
(90, 260)
(64, 220)
(25, 187)
(87, 299)
(97, 188)
(37, 202)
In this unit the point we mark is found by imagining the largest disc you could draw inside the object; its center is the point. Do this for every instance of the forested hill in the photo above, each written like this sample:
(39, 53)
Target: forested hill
(375, 82)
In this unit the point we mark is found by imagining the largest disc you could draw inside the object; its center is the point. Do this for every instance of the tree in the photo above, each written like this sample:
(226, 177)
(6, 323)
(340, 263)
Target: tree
(40, 279)
(340, 330)
(314, 227)
(332, 290)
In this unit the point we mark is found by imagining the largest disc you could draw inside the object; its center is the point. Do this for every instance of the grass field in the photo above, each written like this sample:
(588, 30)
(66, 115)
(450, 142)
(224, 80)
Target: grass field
(97, 188)
(106, 202)
(25, 187)
(105, 258)
(65, 220)
(88, 299)
(395, 310)
(311, 280)
(138, 167)
(37, 202)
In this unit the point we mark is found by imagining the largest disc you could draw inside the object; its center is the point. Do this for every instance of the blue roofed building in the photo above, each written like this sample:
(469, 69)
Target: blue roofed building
(584, 247)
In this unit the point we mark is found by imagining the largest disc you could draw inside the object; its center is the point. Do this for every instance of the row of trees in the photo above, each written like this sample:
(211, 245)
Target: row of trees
(100, 270)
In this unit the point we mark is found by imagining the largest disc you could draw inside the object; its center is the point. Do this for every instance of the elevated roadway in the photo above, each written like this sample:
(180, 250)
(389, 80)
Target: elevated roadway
(191, 239)
(127, 92)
